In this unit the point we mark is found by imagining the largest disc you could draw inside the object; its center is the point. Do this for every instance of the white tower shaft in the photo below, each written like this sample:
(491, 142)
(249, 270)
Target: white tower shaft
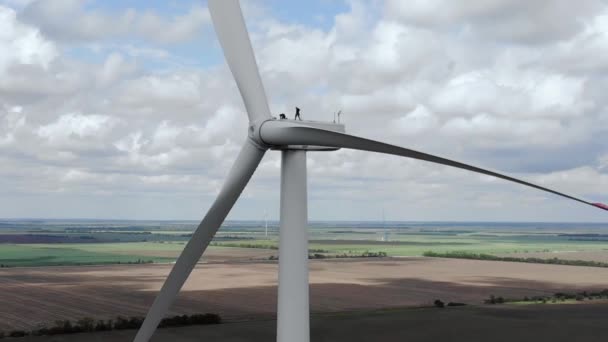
(293, 311)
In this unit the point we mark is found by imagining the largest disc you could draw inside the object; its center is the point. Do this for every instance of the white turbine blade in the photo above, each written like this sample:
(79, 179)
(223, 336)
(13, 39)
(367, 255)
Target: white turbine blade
(242, 170)
(232, 33)
(281, 134)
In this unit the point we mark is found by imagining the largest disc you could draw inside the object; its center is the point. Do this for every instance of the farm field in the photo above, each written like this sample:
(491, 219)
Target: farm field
(417, 245)
(557, 323)
(73, 269)
(601, 256)
(24, 255)
(54, 243)
(55, 254)
(29, 255)
(245, 290)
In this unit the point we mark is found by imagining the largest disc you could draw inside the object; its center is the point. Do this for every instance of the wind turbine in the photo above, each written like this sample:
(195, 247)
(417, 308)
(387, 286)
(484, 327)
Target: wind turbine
(265, 224)
(294, 139)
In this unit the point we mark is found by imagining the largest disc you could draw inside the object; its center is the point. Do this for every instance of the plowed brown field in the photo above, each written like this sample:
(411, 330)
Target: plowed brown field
(246, 289)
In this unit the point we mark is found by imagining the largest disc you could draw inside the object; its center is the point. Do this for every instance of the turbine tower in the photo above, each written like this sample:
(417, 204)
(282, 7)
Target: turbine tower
(294, 139)
(265, 224)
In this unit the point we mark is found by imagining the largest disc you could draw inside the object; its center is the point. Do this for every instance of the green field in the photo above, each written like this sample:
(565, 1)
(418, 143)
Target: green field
(416, 245)
(25, 243)
(12, 255)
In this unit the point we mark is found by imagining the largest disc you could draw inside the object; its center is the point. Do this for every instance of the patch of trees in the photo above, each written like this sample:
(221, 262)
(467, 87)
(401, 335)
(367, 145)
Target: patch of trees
(114, 229)
(130, 262)
(322, 255)
(44, 238)
(120, 323)
(552, 261)
(231, 237)
(245, 245)
(588, 239)
(317, 250)
(366, 254)
(494, 300)
(586, 235)
(555, 298)
(196, 319)
(317, 256)
(262, 246)
(136, 262)
(350, 232)
(440, 304)
(447, 232)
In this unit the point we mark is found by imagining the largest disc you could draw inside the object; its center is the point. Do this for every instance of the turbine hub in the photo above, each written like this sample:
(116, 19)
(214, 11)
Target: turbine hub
(255, 132)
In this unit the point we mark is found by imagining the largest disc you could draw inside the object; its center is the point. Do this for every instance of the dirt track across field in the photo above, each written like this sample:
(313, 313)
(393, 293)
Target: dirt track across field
(248, 289)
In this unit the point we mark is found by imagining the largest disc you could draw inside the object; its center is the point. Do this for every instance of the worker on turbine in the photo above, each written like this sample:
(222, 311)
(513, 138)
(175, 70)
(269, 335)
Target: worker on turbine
(297, 114)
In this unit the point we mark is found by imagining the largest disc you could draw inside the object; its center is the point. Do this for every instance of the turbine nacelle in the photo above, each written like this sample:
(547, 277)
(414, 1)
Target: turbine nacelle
(265, 134)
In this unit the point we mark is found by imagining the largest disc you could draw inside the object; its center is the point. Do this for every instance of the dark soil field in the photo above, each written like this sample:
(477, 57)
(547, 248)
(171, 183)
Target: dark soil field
(245, 290)
(532, 323)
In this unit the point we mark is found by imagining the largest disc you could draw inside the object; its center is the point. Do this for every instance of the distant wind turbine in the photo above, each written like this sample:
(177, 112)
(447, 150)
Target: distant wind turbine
(385, 232)
(265, 223)
(293, 139)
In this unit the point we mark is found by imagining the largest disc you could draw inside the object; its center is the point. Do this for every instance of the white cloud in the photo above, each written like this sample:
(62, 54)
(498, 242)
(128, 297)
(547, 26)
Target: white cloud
(294, 54)
(581, 53)
(75, 128)
(13, 119)
(181, 28)
(100, 112)
(418, 121)
(114, 67)
(603, 162)
(530, 22)
(172, 90)
(513, 93)
(22, 44)
(584, 180)
(87, 24)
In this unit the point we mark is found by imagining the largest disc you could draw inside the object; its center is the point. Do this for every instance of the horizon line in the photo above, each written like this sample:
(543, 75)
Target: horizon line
(277, 220)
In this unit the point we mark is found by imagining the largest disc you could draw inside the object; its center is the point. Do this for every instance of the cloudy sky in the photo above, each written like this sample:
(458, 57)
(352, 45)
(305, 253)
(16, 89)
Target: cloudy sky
(126, 109)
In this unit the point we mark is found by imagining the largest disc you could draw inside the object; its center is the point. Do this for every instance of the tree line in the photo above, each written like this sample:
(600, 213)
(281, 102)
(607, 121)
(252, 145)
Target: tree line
(552, 261)
(88, 324)
(554, 298)
(134, 262)
(366, 254)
